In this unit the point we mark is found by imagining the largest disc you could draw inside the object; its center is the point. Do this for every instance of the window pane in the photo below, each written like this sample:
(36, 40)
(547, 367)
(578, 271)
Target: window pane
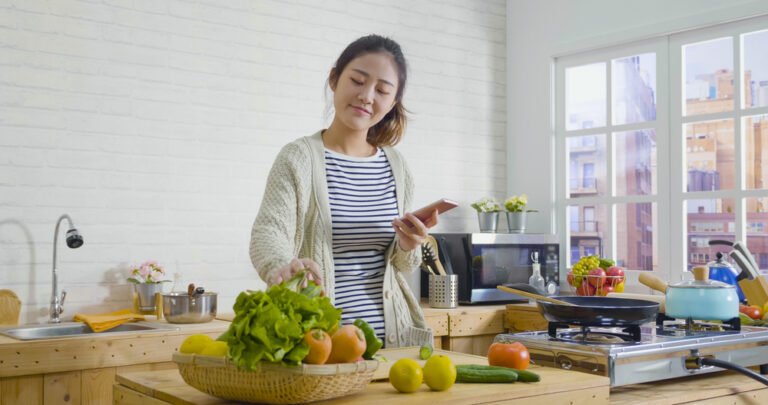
(635, 162)
(708, 76)
(633, 84)
(708, 220)
(586, 165)
(709, 155)
(756, 147)
(635, 240)
(757, 230)
(755, 47)
(586, 229)
(585, 94)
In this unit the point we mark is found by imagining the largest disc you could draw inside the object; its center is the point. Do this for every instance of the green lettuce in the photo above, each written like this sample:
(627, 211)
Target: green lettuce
(270, 325)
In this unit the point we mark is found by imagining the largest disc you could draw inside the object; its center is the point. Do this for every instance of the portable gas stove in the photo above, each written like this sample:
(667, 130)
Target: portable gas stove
(654, 351)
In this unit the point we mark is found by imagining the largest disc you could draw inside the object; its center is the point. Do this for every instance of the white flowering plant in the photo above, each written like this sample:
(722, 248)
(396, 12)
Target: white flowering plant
(148, 273)
(517, 204)
(485, 204)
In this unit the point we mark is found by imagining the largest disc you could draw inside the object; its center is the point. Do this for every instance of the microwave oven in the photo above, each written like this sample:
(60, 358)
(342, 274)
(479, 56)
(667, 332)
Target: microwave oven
(483, 261)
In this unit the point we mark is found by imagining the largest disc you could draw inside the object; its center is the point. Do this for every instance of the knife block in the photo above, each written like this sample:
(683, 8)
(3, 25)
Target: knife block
(756, 291)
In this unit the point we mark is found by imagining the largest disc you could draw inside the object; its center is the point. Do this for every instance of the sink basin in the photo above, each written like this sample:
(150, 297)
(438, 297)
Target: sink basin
(74, 329)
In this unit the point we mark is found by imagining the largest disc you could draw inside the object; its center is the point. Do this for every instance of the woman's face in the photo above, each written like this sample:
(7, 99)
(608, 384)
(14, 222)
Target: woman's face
(365, 91)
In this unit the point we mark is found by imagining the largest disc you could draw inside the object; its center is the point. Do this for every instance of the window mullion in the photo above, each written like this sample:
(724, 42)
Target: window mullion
(609, 245)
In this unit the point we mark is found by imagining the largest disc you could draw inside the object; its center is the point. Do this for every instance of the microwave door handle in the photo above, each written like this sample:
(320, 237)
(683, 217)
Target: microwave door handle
(468, 255)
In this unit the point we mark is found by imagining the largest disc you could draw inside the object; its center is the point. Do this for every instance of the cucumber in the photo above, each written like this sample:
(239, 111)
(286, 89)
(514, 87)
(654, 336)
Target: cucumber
(473, 373)
(527, 376)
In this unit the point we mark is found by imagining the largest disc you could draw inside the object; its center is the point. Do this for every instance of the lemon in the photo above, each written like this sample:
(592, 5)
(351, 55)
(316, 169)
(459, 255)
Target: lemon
(619, 287)
(215, 349)
(406, 375)
(425, 351)
(439, 372)
(195, 344)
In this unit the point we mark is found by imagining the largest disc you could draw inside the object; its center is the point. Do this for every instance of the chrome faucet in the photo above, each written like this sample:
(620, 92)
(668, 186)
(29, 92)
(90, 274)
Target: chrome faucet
(74, 241)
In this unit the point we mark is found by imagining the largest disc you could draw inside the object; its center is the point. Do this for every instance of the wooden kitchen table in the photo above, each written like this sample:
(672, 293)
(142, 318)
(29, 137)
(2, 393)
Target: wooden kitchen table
(557, 386)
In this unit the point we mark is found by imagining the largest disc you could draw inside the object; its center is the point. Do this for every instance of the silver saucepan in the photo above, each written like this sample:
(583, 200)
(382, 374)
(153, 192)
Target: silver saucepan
(181, 307)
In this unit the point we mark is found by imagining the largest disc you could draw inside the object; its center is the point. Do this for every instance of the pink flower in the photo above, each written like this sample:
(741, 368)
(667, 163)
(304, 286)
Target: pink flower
(144, 271)
(155, 276)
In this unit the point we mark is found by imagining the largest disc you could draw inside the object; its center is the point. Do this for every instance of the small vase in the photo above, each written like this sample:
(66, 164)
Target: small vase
(516, 222)
(488, 221)
(146, 293)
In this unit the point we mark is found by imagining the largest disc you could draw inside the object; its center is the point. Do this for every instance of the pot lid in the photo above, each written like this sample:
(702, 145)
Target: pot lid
(701, 273)
(701, 284)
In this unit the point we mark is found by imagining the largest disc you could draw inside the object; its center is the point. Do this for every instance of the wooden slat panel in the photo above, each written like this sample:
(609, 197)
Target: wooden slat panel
(168, 365)
(522, 320)
(472, 323)
(96, 386)
(476, 345)
(62, 388)
(84, 353)
(438, 322)
(126, 396)
(26, 390)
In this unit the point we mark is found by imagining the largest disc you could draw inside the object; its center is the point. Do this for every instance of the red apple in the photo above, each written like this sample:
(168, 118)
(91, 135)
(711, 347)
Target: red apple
(596, 277)
(570, 278)
(606, 289)
(586, 290)
(616, 272)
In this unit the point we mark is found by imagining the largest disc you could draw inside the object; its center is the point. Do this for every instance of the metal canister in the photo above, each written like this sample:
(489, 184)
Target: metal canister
(721, 270)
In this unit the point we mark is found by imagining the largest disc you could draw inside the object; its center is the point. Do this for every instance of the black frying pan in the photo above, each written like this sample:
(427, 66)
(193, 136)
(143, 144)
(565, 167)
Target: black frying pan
(599, 311)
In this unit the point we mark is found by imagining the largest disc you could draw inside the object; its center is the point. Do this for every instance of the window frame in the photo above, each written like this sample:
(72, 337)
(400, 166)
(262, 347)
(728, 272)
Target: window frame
(670, 217)
(658, 46)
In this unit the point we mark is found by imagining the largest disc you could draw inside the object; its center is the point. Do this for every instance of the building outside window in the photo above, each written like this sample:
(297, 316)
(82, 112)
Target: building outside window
(707, 134)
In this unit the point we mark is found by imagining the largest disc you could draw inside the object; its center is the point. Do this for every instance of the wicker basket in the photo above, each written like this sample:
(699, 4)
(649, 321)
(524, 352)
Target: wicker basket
(274, 383)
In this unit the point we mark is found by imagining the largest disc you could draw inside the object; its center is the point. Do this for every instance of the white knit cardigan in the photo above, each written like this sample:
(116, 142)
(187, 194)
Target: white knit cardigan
(295, 221)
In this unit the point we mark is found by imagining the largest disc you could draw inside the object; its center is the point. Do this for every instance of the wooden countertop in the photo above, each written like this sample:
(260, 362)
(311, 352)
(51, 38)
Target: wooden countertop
(556, 386)
(569, 387)
(25, 357)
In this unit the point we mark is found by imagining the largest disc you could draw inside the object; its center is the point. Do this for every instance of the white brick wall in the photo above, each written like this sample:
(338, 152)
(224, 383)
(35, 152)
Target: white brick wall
(153, 123)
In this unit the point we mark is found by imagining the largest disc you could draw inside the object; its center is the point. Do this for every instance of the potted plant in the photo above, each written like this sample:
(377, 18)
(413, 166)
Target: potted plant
(516, 213)
(147, 280)
(487, 214)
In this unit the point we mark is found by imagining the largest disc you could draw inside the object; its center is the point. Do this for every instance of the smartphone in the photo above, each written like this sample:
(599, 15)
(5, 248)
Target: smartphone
(441, 205)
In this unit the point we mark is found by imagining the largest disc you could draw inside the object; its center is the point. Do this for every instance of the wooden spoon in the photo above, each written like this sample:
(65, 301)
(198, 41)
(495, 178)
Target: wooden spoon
(537, 297)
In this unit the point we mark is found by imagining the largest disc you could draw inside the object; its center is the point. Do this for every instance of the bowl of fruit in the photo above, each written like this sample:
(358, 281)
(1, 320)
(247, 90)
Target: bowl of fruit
(595, 276)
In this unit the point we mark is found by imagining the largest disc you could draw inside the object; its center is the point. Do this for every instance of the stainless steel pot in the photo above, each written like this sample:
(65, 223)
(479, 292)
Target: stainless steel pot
(700, 299)
(180, 307)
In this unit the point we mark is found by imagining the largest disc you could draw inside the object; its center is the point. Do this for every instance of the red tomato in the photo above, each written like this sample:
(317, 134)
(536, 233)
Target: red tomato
(513, 355)
(753, 312)
(742, 307)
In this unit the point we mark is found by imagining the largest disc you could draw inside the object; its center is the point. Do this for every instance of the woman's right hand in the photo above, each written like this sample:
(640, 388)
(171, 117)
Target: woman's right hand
(287, 271)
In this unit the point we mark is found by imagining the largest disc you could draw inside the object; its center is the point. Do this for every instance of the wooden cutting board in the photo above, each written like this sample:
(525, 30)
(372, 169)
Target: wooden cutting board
(10, 307)
(395, 354)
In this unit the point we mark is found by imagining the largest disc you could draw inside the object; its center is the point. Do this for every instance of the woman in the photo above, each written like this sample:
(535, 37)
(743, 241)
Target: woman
(334, 201)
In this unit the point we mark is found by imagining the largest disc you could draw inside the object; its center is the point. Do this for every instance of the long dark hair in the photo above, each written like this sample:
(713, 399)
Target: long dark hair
(389, 130)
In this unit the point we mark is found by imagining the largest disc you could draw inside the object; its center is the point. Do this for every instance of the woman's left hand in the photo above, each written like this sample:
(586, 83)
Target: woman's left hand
(413, 234)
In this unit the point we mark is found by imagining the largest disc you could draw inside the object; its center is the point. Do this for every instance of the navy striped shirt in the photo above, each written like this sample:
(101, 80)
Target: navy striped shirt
(363, 205)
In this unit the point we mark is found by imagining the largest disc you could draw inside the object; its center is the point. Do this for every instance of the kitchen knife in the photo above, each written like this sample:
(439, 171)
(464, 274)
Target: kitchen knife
(747, 271)
(741, 247)
(752, 284)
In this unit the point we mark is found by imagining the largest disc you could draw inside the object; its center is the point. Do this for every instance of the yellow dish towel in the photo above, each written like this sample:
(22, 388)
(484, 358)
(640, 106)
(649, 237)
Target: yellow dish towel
(102, 322)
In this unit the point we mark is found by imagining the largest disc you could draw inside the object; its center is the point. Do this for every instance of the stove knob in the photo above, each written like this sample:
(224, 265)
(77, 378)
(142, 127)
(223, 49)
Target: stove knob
(566, 363)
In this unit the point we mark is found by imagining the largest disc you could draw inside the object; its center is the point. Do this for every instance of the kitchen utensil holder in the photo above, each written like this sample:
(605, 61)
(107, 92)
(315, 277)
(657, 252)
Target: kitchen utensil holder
(443, 291)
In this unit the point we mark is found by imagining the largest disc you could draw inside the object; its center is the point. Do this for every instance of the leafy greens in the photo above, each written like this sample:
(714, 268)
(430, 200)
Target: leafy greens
(270, 325)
